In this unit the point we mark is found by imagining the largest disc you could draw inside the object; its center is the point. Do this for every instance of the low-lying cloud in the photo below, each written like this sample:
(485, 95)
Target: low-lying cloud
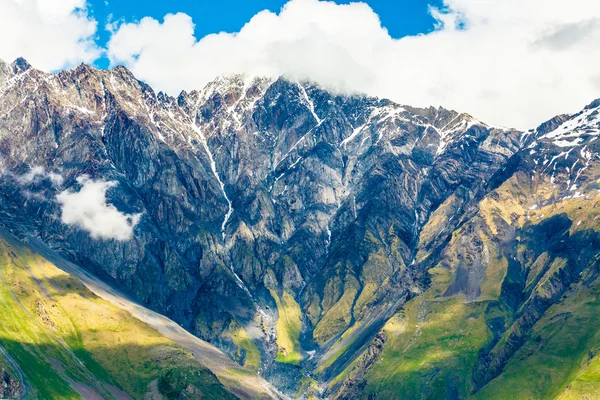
(89, 210)
(37, 174)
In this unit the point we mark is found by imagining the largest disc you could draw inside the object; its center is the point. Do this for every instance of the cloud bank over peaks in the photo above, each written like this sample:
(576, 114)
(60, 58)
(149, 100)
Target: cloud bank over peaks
(51, 34)
(88, 210)
(507, 62)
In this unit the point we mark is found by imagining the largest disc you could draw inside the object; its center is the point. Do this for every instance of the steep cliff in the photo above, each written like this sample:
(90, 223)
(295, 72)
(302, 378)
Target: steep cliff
(511, 310)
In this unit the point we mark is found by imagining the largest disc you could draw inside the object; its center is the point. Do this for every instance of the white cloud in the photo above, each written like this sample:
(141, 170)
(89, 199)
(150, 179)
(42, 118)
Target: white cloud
(50, 34)
(508, 62)
(38, 173)
(88, 210)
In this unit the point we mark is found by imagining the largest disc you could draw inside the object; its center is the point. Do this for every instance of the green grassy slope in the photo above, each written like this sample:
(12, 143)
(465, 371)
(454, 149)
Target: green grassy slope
(501, 319)
(71, 344)
(560, 349)
(288, 329)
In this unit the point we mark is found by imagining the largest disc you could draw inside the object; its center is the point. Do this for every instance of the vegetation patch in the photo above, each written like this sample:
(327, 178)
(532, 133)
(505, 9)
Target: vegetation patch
(65, 338)
(248, 353)
(288, 329)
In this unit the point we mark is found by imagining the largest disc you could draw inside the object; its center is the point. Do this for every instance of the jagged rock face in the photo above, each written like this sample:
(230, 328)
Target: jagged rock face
(262, 200)
(508, 311)
(9, 387)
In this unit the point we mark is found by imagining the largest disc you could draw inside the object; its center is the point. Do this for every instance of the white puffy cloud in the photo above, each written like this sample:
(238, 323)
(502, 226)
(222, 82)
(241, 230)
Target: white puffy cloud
(508, 62)
(50, 34)
(88, 210)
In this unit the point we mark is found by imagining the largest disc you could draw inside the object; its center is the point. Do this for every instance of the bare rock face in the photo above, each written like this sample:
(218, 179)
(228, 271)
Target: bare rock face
(270, 205)
(9, 387)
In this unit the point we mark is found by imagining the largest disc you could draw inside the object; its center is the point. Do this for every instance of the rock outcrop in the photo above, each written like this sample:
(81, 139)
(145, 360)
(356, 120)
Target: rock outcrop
(10, 388)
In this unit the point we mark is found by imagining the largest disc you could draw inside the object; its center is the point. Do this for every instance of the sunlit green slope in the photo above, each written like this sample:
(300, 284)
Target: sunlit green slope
(60, 341)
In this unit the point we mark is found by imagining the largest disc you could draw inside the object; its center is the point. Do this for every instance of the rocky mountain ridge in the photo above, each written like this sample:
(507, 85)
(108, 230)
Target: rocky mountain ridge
(283, 223)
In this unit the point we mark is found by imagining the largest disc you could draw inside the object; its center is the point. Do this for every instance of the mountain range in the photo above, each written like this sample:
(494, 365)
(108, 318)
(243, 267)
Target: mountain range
(321, 245)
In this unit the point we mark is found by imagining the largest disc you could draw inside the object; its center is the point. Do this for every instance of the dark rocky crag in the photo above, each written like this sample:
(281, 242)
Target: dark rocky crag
(270, 209)
(10, 388)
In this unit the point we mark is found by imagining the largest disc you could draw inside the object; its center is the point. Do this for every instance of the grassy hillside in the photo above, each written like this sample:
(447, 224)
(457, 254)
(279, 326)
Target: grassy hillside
(71, 344)
(512, 310)
(288, 329)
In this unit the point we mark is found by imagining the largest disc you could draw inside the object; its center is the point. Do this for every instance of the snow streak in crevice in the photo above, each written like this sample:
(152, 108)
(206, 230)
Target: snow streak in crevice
(213, 167)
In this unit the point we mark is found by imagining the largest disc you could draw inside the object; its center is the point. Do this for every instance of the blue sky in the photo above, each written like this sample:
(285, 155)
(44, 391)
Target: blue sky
(400, 17)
